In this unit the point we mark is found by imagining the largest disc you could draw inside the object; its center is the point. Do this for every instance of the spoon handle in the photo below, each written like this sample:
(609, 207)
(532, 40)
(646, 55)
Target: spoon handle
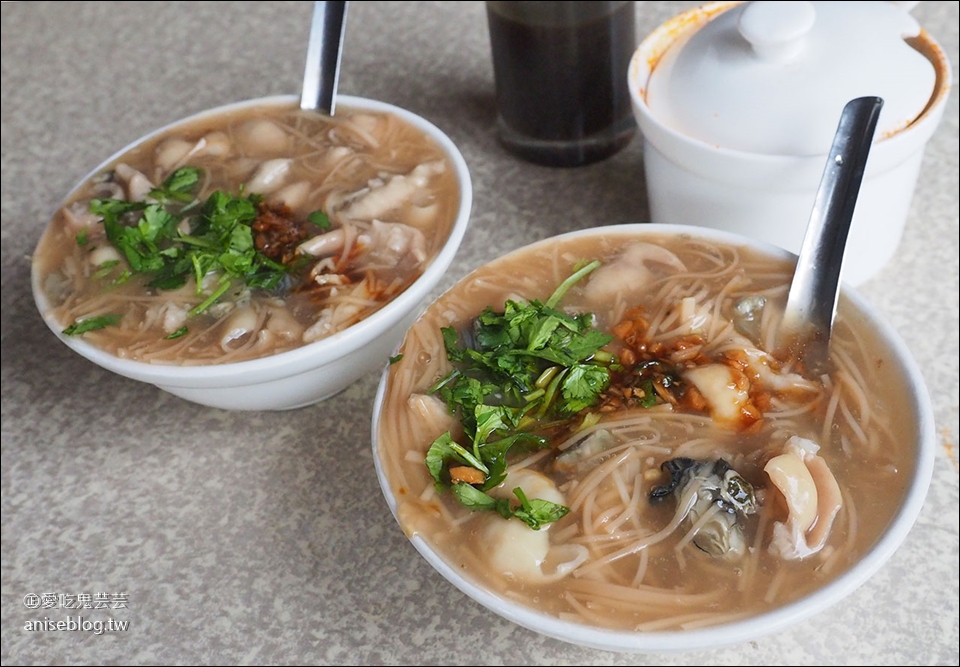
(812, 300)
(323, 57)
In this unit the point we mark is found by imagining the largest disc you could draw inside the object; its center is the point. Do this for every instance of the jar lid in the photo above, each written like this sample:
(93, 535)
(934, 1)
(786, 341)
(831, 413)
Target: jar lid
(773, 77)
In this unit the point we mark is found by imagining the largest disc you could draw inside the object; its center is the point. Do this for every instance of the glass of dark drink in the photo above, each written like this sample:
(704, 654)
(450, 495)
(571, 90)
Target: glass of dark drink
(560, 70)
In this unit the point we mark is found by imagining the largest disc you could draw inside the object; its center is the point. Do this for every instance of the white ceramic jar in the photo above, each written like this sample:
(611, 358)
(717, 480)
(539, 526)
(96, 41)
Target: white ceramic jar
(738, 104)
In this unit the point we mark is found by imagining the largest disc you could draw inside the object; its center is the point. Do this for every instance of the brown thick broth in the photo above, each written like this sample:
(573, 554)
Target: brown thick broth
(331, 161)
(682, 587)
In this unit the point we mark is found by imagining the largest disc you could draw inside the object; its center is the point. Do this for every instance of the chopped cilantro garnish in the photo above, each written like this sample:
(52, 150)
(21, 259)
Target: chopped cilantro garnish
(320, 219)
(523, 367)
(173, 236)
(105, 269)
(537, 512)
(91, 324)
(179, 186)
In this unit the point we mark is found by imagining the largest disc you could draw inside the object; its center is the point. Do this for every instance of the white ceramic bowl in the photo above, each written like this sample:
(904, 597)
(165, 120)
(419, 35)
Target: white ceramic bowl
(769, 194)
(910, 386)
(318, 370)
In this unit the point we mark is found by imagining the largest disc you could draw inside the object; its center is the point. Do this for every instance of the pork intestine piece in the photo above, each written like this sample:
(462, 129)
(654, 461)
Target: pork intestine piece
(431, 419)
(390, 192)
(384, 243)
(282, 323)
(137, 185)
(263, 138)
(78, 217)
(174, 153)
(269, 176)
(241, 322)
(324, 245)
(812, 497)
(292, 196)
(390, 243)
(352, 300)
(630, 273)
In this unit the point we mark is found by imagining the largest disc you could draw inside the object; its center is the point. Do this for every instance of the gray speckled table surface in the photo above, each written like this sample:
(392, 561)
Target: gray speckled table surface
(263, 537)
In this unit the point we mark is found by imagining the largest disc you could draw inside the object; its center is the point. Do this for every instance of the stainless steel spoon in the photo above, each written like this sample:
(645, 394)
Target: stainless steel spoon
(319, 92)
(812, 299)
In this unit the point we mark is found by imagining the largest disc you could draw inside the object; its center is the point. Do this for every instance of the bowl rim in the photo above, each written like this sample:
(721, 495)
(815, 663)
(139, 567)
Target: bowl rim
(309, 356)
(738, 631)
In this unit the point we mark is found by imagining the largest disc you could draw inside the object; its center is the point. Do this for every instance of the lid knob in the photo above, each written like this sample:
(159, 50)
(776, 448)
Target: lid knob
(777, 30)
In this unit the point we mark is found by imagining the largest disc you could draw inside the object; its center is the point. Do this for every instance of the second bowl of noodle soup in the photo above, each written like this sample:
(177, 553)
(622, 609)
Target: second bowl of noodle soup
(598, 437)
(255, 255)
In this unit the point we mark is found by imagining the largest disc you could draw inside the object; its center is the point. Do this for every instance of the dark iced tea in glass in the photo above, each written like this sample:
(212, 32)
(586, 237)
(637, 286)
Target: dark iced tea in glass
(560, 70)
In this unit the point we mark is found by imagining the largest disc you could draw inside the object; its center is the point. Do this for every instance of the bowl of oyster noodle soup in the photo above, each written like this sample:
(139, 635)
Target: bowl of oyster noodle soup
(596, 437)
(256, 255)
